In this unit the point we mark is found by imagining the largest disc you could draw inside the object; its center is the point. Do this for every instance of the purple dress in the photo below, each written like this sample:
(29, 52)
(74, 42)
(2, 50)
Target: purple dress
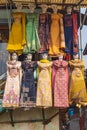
(44, 31)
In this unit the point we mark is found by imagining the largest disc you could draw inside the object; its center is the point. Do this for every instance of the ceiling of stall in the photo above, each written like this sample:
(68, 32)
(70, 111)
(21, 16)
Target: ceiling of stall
(59, 2)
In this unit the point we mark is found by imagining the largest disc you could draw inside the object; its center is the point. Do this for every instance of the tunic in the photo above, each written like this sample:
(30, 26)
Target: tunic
(13, 83)
(60, 83)
(44, 31)
(44, 89)
(71, 33)
(77, 83)
(33, 43)
(56, 35)
(17, 34)
(28, 90)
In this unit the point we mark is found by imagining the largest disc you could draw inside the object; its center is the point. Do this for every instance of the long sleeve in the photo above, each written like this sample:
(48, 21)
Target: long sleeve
(23, 25)
(53, 75)
(62, 44)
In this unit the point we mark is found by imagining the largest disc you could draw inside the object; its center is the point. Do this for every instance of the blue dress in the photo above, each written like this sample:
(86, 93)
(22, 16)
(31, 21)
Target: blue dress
(68, 30)
(28, 90)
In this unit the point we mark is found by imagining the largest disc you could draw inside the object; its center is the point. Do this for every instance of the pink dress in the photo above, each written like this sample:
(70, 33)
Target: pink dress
(60, 83)
(12, 87)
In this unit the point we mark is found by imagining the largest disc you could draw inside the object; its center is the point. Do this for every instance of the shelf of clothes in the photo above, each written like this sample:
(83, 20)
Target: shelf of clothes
(38, 32)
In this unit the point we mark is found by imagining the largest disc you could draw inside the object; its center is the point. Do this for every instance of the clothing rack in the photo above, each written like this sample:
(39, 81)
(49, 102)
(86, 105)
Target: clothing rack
(44, 120)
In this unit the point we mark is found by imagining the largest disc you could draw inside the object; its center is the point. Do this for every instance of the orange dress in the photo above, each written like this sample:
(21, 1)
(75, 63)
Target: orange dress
(56, 35)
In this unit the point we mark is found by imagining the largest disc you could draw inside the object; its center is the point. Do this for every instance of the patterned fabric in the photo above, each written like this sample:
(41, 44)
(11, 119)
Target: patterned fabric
(13, 83)
(71, 33)
(44, 31)
(60, 83)
(44, 89)
(77, 83)
(75, 34)
(68, 30)
(28, 91)
(56, 35)
(33, 43)
(17, 34)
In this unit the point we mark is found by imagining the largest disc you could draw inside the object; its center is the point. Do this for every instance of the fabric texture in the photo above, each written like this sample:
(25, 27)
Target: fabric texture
(17, 34)
(71, 33)
(57, 40)
(77, 82)
(13, 83)
(60, 83)
(44, 89)
(68, 30)
(33, 43)
(28, 90)
(44, 31)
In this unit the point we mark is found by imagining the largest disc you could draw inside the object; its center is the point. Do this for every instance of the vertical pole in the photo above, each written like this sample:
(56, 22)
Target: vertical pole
(11, 117)
(43, 114)
(80, 44)
(10, 16)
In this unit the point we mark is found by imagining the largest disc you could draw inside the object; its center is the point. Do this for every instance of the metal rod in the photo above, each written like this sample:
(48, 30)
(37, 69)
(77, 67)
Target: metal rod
(49, 120)
(11, 117)
(84, 19)
(43, 114)
(79, 3)
(80, 44)
(22, 121)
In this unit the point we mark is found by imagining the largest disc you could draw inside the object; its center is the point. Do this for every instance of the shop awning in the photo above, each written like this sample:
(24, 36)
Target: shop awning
(59, 2)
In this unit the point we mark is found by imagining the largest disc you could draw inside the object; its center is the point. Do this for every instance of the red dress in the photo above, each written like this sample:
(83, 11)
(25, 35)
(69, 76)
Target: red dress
(60, 83)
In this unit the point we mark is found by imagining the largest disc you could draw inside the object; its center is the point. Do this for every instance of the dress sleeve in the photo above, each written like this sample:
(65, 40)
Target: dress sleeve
(62, 37)
(53, 75)
(23, 26)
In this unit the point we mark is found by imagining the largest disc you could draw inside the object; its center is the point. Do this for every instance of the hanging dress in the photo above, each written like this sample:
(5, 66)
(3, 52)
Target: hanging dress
(57, 41)
(77, 82)
(28, 90)
(44, 31)
(33, 43)
(44, 89)
(71, 33)
(13, 83)
(17, 34)
(60, 83)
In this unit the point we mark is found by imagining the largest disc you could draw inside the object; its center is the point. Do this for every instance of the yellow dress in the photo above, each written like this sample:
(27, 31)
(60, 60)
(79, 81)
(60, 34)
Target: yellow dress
(17, 34)
(44, 88)
(77, 82)
(56, 35)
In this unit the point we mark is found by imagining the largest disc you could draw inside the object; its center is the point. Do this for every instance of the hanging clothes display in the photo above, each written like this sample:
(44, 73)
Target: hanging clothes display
(57, 41)
(77, 82)
(44, 89)
(17, 34)
(60, 83)
(44, 31)
(13, 83)
(28, 90)
(33, 43)
(71, 33)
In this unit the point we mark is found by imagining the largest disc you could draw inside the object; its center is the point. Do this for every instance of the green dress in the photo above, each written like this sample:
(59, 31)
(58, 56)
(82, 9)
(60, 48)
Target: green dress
(33, 43)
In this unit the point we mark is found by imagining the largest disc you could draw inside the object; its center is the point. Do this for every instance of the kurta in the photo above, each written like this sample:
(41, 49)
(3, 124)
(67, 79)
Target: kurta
(60, 83)
(71, 33)
(17, 34)
(13, 83)
(33, 43)
(57, 41)
(77, 83)
(44, 89)
(44, 31)
(28, 90)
